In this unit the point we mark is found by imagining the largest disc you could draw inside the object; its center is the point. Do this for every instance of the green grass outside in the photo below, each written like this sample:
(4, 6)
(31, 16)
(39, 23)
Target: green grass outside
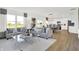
(18, 25)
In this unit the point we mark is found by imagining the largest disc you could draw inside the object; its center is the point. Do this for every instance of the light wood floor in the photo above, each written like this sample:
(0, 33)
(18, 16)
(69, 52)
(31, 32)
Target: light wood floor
(65, 42)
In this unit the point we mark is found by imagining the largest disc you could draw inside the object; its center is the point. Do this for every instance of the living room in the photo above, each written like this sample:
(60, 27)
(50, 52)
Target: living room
(34, 28)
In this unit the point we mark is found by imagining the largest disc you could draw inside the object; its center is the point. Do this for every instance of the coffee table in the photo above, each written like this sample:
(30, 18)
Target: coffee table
(21, 38)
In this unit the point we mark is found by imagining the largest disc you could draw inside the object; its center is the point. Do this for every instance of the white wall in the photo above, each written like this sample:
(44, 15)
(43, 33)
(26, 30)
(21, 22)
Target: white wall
(2, 22)
(74, 18)
(62, 20)
(78, 22)
(78, 33)
(14, 12)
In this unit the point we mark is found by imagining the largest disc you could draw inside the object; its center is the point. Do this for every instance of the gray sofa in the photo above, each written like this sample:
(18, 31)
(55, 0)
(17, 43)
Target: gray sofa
(42, 33)
(2, 35)
(9, 33)
(47, 34)
(12, 32)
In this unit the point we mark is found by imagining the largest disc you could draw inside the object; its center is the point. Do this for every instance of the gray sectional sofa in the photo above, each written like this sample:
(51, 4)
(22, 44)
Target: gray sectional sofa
(12, 32)
(2, 35)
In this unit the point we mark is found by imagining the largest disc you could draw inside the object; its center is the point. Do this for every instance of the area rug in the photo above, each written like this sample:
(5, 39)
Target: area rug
(33, 44)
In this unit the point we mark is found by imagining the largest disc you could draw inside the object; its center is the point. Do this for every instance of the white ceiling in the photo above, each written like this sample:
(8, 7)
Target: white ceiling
(44, 11)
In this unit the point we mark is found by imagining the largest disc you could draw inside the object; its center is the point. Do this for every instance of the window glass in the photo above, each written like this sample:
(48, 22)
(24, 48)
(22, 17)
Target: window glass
(20, 21)
(11, 21)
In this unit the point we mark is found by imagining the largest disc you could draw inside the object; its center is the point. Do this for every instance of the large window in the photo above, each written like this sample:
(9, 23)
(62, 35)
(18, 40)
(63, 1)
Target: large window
(20, 21)
(13, 22)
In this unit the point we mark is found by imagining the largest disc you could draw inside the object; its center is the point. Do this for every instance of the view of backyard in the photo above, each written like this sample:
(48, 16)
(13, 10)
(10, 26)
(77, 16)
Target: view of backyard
(11, 21)
(11, 25)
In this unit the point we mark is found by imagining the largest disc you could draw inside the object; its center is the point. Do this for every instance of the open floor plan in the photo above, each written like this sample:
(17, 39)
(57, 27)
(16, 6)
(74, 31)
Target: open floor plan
(39, 29)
